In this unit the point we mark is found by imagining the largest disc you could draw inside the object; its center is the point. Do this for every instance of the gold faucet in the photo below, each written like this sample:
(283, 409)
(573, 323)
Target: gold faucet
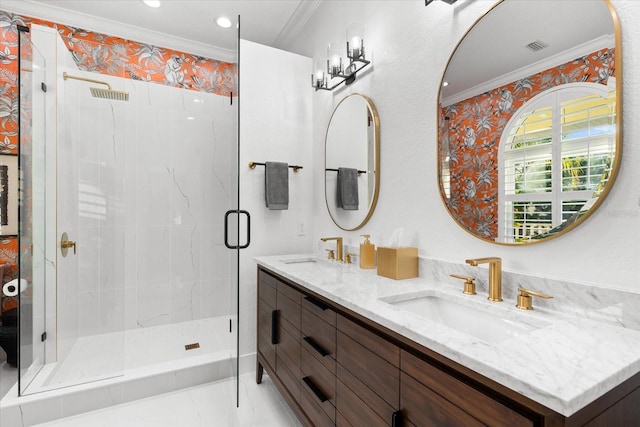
(338, 246)
(495, 275)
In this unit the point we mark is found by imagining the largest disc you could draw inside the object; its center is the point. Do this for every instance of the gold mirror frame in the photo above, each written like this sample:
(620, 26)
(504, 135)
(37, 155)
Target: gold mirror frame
(440, 120)
(371, 205)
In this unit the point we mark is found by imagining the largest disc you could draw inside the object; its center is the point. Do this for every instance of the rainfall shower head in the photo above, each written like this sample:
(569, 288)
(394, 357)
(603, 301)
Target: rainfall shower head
(115, 95)
(108, 93)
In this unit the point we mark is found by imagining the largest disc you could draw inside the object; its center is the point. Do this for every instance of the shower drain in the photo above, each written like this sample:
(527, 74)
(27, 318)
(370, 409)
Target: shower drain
(192, 346)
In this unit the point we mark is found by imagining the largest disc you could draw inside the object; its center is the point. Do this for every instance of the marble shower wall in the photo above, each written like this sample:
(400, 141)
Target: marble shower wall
(153, 183)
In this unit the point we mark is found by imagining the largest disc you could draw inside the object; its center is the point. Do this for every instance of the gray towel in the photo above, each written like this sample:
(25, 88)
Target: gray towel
(276, 185)
(348, 189)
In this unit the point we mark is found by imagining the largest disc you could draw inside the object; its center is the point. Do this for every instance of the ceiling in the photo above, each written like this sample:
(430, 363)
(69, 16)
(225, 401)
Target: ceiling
(495, 50)
(268, 22)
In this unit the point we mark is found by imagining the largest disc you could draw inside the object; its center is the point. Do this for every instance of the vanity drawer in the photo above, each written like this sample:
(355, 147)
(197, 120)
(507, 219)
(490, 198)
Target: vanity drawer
(322, 335)
(373, 371)
(421, 375)
(323, 378)
(319, 308)
(421, 406)
(370, 340)
(313, 408)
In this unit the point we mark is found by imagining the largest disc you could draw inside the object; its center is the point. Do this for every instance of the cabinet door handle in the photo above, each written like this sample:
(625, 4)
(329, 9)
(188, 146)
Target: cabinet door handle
(396, 419)
(314, 388)
(322, 306)
(317, 347)
(274, 327)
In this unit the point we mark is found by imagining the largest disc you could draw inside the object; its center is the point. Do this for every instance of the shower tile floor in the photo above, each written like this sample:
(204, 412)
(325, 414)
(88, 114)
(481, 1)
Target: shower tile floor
(208, 405)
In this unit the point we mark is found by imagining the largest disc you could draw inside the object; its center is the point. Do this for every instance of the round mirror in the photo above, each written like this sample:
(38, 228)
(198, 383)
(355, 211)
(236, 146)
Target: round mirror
(529, 119)
(352, 162)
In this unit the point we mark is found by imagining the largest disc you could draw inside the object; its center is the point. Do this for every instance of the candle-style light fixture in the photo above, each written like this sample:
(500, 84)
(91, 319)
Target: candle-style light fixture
(336, 72)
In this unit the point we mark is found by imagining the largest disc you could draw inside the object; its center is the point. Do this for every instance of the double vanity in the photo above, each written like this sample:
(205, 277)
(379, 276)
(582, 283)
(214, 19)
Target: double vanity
(348, 347)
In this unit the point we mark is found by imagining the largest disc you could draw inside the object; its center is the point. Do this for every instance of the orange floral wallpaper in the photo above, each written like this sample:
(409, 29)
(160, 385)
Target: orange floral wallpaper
(474, 129)
(104, 54)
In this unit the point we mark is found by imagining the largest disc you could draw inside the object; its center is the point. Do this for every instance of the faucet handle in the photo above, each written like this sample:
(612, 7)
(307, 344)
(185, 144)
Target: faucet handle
(524, 299)
(331, 253)
(469, 284)
(347, 258)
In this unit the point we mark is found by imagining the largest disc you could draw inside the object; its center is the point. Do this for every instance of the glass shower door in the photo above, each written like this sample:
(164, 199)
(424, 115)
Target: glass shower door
(32, 218)
(93, 132)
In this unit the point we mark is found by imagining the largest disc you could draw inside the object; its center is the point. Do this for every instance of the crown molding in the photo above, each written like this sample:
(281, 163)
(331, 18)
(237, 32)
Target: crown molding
(605, 41)
(296, 22)
(116, 29)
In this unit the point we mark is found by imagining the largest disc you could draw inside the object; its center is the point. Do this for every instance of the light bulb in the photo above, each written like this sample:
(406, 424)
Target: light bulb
(356, 47)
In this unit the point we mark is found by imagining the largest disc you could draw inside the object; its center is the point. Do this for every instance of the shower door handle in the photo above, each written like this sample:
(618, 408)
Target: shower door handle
(226, 229)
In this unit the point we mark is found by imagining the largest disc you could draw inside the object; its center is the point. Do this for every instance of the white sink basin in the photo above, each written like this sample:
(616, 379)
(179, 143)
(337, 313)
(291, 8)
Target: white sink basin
(482, 324)
(298, 260)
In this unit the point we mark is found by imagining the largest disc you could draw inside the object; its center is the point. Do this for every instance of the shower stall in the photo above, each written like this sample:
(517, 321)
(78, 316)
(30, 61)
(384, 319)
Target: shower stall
(130, 228)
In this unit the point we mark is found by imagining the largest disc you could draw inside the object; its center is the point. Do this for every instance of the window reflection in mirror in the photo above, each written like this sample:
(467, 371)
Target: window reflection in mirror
(552, 175)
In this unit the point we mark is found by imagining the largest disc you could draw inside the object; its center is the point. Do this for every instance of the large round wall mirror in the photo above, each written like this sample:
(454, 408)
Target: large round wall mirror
(529, 135)
(352, 162)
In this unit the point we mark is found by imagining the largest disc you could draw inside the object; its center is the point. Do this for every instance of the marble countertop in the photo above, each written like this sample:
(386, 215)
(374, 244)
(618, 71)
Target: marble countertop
(564, 362)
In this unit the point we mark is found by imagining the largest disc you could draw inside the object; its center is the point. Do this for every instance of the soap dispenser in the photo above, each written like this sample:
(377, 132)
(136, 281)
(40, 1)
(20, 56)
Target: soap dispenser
(367, 253)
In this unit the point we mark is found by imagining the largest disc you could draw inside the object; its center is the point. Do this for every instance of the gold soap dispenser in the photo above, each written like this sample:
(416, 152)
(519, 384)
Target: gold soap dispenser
(367, 253)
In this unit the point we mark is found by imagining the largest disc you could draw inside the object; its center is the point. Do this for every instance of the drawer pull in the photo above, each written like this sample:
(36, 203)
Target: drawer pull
(317, 347)
(274, 327)
(322, 306)
(396, 419)
(314, 388)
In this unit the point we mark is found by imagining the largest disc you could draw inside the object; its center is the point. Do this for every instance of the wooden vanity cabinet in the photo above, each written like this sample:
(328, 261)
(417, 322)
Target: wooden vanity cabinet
(267, 320)
(368, 376)
(279, 332)
(337, 368)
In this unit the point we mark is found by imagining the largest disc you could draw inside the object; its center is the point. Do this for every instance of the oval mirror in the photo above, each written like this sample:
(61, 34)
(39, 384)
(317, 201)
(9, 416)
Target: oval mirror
(352, 162)
(529, 119)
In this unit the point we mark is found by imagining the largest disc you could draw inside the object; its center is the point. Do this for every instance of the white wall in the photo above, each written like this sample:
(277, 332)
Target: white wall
(275, 125)
(410, 45)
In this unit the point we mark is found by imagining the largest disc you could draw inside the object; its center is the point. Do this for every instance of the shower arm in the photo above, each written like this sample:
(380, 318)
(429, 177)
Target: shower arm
(66, 76)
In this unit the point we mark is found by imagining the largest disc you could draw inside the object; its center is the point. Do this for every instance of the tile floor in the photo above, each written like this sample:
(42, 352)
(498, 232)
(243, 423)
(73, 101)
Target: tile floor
(209, 405)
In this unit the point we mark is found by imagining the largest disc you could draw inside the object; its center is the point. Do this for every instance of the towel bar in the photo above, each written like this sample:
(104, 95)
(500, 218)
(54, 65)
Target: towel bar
(336, 170)
(253, 165)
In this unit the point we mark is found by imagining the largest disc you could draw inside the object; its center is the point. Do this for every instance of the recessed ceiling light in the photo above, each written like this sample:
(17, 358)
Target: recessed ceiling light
(223, 22)
(445, 84)
(152, 3)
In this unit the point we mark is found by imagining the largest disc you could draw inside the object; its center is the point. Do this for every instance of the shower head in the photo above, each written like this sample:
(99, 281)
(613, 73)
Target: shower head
(116, 95)
(108, 93)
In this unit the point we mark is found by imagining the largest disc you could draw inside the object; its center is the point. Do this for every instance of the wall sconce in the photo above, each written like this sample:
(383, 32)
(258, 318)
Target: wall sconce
(335, 68)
